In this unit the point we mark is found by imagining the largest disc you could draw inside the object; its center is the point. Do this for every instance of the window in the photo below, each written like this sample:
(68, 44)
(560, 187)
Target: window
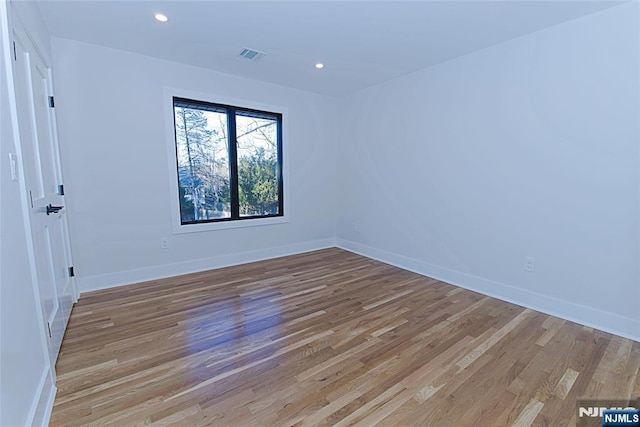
(229, 162)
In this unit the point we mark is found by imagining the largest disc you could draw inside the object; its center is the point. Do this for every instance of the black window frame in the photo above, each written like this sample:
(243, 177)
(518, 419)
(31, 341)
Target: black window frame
(231, 112)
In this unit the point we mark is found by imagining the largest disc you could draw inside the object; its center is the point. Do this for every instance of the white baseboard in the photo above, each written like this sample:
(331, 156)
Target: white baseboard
(111, 280)
(42, 405)
(588, 316)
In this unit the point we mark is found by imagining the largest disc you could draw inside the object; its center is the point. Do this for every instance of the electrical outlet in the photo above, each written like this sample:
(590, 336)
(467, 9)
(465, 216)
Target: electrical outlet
(354, 226)
(164, 242)
(529, 263)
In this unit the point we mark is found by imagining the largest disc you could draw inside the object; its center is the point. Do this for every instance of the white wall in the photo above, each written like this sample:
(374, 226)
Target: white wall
(26, 384)
(529, 147)
(110, 112)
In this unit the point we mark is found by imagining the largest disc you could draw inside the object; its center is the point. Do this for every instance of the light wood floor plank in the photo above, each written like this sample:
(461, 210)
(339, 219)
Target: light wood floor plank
(327, 338)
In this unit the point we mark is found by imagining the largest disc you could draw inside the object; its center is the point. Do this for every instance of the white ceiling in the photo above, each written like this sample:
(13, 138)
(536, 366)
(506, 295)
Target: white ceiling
(361, 42)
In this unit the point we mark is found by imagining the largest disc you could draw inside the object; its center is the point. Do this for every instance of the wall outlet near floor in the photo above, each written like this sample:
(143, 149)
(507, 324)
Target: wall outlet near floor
(164, 243)
(529, 263)
(354, 226)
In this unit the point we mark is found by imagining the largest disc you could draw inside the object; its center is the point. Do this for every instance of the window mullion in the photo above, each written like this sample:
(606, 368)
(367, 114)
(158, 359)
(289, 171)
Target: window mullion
(233, 163)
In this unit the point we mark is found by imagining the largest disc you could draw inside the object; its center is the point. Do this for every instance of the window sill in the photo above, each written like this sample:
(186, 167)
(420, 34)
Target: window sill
(224, 225)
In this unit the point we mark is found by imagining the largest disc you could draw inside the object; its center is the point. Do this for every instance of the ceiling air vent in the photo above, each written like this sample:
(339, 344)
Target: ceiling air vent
(251, 54)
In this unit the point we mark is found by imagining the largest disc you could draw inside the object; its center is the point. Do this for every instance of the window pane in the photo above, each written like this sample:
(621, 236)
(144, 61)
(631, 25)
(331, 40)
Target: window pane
(257, 165)
(203, 164)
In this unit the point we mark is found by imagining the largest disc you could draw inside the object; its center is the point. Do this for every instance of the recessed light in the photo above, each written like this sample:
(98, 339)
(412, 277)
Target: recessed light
(160, 17)
(319, 65)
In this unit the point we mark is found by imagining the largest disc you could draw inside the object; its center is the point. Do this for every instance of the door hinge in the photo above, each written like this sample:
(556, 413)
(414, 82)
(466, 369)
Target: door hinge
(49, 328)
(61, 189)
(72, 273)
(31, 198)
(15, 55)
(52, 102)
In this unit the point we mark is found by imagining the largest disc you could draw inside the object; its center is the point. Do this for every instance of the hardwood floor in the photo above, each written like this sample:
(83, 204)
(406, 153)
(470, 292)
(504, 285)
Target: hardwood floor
(327, 338)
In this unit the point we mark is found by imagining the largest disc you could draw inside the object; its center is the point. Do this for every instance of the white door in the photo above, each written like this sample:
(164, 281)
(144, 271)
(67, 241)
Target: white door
(43, 179)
